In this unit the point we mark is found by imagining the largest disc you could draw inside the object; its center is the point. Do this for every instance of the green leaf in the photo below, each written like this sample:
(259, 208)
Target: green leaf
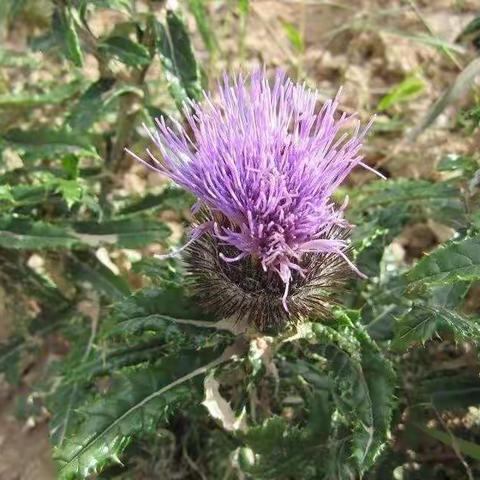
(172, 198)
(450, 391)
(168, 272)
(406, 90)
(22, 233)
(276, 449)
(390, 204)
(153, 310)
(449, 296)
(422, 323)
(348, 423)
(45, 144)
(88, 107)
(12, 350)
(385, 303)
(97, 101)
(470, 449)
(197, 7)
(178, 59)
(294, 36)
(58, 94)
(450, 263)
(126, 51)
(364, 388)
(133, 232)
(70, 165)
(244, 6)
(85, 267)
(6, 194)
(135, 405)
(67, 29)
(453, 162)
(472, 29)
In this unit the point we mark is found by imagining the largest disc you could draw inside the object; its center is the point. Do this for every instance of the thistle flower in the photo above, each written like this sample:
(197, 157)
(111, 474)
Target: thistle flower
(263, 163)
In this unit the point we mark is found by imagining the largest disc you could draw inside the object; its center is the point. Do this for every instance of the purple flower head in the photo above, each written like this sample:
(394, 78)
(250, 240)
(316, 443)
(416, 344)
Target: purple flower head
(264, 163)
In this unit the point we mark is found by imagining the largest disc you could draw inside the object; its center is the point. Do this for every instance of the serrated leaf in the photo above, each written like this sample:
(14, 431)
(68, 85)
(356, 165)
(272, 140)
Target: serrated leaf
(178, 59)
(155, 310)
(380, 378)
(88, 107)
(449, 296)
(385, 303)
(139, 401)
(56, 95)
(126, 51)
(23, 233)
(12, 350)
(419, 199)
(277, 448)
(365, 404)
(359, 391)
(97, 101)
(45, 144)
(450, 263)
(423, 323)
(85, 267)
(172, 198)
(131, 232)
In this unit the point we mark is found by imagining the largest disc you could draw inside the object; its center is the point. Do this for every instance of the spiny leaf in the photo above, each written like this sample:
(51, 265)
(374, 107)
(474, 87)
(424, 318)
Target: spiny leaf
(172, 198)
(90, 105)
(131, 232)
(56, 95)
(422, 323)
(85, 267)
(135, 405)
(44, 144)
(453, 262)
(22, 233)
(11, 351)
(361, 384)
(155, 310)
(178, 59)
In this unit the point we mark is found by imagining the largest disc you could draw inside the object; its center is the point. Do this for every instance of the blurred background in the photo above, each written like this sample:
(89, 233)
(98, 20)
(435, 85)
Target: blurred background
(79, 219)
